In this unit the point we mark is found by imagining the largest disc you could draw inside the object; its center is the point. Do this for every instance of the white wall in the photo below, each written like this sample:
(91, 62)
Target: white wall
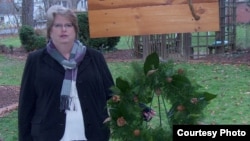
(9, 21)
(39, 13)
(82, 5)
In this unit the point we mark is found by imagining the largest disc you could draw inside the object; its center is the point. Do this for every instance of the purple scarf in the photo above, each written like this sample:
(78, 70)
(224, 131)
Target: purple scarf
(76, 56)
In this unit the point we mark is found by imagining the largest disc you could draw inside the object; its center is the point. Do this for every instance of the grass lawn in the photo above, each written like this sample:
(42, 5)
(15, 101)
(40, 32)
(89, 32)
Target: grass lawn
(10, 41)
(125, 43)
(229, 82)
(10, 71)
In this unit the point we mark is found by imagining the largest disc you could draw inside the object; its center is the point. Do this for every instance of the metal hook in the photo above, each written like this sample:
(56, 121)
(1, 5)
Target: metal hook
(191, 7)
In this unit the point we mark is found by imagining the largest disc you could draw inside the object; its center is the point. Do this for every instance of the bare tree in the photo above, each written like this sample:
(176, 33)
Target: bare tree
(48, 3)
(74, 3)
(86, 4)
(16, 10)
(71, 3)
(27, 12)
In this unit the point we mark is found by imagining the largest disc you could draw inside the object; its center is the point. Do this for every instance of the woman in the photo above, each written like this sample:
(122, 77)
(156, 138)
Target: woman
(65, 87)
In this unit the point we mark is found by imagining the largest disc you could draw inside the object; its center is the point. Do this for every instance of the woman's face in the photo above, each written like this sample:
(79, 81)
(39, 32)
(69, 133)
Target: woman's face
(62, 31)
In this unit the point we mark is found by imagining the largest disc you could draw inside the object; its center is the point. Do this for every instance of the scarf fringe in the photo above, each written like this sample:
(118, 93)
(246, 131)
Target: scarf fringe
(65, 102)
(77, 54)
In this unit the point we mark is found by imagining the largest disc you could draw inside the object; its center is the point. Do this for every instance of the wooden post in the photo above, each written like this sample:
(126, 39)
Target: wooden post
(144, 17)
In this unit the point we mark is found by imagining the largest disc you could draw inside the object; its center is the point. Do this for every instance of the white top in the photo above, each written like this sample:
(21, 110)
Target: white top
(74, 129)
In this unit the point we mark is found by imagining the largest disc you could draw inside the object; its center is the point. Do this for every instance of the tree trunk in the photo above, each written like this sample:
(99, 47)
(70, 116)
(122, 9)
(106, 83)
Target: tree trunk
(27, 12)
(74, 4)
(15, 12)
(48, 3)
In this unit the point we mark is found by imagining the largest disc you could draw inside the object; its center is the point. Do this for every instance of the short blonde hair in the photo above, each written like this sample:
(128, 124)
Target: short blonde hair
(62, 11)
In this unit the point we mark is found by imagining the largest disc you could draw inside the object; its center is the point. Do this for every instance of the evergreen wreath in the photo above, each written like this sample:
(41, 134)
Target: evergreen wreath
(132, 108)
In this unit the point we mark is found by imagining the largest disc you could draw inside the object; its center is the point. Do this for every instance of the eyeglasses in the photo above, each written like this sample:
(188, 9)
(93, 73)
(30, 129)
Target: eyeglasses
(60, 26)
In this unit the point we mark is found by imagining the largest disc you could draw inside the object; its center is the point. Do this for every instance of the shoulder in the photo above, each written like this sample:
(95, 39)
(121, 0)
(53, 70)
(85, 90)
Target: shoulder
(37, 53)
(33, 59)
(96, 56)
(93, 52)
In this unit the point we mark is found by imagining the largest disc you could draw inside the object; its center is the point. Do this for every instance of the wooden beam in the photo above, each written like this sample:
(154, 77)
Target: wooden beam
(154, 19)
(112, 4)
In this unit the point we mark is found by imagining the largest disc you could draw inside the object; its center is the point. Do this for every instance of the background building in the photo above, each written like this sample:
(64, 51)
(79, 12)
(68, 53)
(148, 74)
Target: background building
(10, 11)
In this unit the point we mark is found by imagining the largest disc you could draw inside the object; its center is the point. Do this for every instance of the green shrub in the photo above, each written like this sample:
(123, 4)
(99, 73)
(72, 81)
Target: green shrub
(30, 39)
(98, 43)
(41, 32)
(25, 34)
(112, 42)
(107, 43)
(83, 28)
(39, 42)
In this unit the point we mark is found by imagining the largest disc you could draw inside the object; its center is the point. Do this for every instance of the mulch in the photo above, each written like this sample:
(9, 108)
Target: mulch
(8, 98)
(9, 94)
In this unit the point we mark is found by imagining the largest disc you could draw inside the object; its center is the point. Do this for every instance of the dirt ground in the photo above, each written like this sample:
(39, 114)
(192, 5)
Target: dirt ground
(9, 94)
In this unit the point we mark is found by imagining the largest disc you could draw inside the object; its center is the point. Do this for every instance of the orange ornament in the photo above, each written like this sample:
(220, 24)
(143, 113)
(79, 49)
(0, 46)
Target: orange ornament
(158, 91)
(121, 121)
(169, 79)
(180, 71)
(137, 132)
(136, 99)
(194, 100)
(180, 108)
(116, 98)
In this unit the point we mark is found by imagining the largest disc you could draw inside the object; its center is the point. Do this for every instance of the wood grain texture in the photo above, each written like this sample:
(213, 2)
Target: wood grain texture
(155, 19)
(112, 4)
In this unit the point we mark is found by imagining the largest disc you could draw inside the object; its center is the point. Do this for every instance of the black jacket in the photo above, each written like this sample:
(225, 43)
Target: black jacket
(39, 117)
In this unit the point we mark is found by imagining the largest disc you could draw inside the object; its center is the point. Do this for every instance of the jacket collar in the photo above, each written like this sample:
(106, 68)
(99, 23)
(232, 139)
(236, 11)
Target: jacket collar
(55, 65)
